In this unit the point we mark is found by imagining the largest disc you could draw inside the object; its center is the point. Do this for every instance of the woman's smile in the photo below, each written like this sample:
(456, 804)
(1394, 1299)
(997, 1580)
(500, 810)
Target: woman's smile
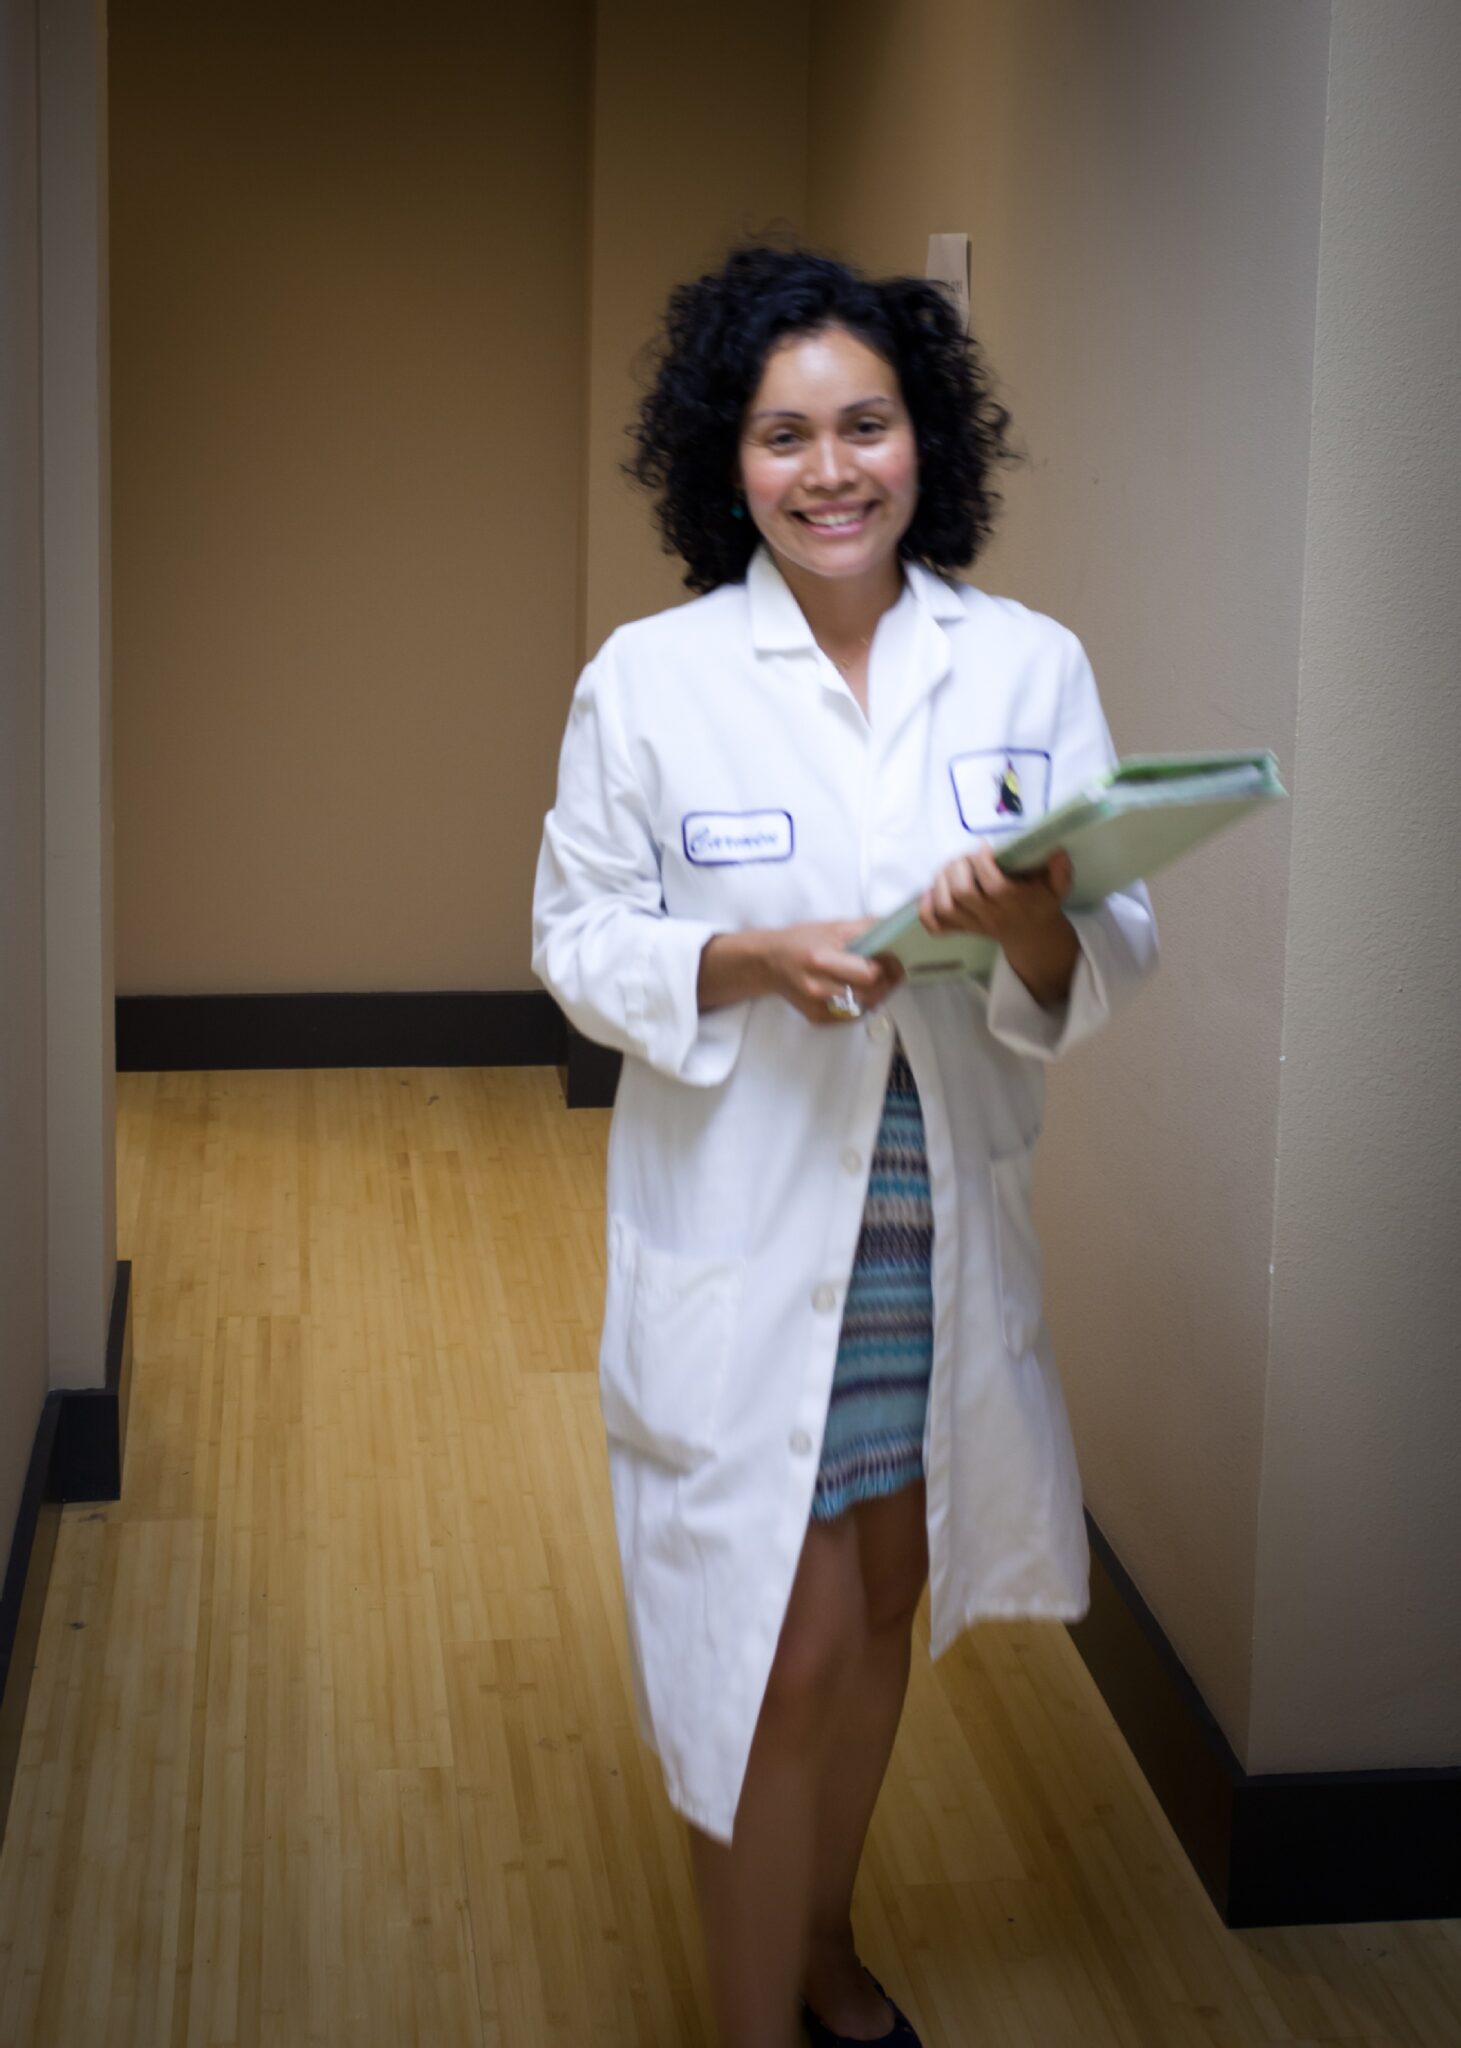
(844, 520)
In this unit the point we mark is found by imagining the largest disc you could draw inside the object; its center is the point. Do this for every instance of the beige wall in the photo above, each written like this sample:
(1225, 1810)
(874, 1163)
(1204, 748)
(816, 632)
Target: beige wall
(80, 1000)
(700, 138)
(1263, 1377)
(349, 258)
(1357, 1651)
(22, 877)
(57, 1191)
(376, 305)
(1141, 187)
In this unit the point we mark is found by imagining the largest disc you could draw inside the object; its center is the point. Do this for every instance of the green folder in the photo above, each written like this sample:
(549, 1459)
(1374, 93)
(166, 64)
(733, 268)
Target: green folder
(1120, 829)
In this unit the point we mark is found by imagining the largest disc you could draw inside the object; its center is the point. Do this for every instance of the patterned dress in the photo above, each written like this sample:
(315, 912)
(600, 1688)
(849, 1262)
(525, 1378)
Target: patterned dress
(873, 1443)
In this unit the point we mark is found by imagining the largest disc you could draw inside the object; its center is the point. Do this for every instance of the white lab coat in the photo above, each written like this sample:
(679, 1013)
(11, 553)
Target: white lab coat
(717, 774)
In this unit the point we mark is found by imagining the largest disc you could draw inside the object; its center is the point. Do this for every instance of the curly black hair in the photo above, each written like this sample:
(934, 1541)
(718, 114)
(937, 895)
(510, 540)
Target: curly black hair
(718, 333)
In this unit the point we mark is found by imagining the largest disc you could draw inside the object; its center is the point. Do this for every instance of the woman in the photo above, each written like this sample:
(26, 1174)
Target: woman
(823, 1362)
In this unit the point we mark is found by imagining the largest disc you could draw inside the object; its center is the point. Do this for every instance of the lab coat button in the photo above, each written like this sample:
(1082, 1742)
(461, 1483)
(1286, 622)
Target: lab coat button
(879, 1029)
(801, 1443)
(824, 1299)
(852, 1159)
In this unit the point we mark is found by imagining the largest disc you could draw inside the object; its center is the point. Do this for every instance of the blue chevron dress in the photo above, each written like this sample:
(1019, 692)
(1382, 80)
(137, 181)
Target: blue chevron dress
(873, 1443)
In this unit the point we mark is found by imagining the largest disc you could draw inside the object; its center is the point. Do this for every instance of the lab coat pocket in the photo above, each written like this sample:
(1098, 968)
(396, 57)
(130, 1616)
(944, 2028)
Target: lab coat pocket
(1017, 1251)
(669, 1321)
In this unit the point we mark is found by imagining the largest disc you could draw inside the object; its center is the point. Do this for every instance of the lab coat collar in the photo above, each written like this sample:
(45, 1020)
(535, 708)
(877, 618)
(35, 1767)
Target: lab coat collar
(939, 599)
(779, 625)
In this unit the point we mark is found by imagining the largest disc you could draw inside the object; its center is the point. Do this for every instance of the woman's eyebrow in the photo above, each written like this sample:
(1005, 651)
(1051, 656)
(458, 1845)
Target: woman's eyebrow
(857, 405)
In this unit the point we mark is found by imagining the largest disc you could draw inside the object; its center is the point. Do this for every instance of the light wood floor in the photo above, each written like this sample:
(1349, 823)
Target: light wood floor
(331, 1741)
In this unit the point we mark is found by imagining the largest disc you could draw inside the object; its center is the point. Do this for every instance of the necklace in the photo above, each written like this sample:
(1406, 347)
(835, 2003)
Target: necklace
(843, 666)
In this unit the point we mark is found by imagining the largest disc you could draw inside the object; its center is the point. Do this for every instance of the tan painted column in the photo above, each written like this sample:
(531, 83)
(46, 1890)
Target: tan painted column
(22, 862)
(1357, 1603)
(76, 537)
(700, 139)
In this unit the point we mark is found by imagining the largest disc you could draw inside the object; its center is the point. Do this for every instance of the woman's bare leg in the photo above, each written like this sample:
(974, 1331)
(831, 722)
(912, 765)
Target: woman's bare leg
(893, 1559)
(755, 1894)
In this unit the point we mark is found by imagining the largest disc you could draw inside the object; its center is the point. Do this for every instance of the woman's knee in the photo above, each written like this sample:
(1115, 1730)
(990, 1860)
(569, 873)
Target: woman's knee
(812, 1667)
(822, 1638)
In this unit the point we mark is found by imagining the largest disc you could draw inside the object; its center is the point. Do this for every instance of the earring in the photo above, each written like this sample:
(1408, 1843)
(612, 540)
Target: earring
(738, 508)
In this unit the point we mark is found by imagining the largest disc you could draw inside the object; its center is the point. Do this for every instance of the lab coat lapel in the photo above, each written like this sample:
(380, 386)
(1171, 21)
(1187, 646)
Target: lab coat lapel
(927, 658)
(778, 623)
(779, 626)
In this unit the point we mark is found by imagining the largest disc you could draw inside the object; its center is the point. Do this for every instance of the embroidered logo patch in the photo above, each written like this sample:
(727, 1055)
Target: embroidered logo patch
(719, 839)
(1001, 789)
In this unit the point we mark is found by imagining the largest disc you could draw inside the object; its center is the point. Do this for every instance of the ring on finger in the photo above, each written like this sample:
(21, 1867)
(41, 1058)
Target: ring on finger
(844, 1004)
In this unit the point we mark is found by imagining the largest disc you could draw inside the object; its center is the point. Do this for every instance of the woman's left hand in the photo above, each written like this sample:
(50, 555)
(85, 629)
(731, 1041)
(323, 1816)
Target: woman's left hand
(1021, 913)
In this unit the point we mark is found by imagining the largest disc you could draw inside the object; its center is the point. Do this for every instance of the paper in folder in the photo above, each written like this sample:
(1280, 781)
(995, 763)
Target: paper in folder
(1123, 827)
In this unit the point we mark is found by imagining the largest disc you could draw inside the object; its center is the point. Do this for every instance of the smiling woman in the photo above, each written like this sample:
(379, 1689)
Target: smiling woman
(720, 334)
(812, 1373)
(829, 467)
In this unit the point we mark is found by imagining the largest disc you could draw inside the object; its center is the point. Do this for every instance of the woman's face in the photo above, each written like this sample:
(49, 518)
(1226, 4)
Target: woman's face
(828, 460)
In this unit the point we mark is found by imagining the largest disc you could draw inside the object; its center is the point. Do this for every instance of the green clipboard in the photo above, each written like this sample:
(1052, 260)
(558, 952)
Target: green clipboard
(1126, 825)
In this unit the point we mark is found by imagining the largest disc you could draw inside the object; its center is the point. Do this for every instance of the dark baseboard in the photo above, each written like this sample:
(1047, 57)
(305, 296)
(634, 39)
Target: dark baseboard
(590, 1073)
(91, 1436)
(1272, 1851)
(77, 1454)
(434, 1028)
(32, 1547)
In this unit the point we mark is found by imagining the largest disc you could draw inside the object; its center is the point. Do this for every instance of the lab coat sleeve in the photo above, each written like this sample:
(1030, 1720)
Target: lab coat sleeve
(623, 970)
(1118, 938)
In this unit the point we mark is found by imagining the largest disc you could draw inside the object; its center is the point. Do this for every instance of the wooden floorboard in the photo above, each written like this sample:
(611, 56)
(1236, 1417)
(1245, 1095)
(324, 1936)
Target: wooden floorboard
(331, 1736)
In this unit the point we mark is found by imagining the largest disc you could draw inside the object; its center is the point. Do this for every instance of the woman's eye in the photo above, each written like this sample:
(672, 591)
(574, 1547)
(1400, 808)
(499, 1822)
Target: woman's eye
(871, 425)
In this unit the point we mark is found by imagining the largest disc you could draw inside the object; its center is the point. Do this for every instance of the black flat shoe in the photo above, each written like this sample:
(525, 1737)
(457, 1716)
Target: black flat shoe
(899, 2035)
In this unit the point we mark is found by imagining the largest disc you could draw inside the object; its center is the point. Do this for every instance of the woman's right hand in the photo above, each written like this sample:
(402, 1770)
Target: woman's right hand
(807, 965)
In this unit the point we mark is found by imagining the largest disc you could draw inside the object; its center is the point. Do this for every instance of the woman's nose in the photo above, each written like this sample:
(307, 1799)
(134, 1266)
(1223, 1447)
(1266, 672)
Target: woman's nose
(830, 462)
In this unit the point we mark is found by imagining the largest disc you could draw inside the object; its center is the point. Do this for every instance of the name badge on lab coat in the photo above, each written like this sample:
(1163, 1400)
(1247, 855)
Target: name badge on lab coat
(1001, 789)
(718, 839)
